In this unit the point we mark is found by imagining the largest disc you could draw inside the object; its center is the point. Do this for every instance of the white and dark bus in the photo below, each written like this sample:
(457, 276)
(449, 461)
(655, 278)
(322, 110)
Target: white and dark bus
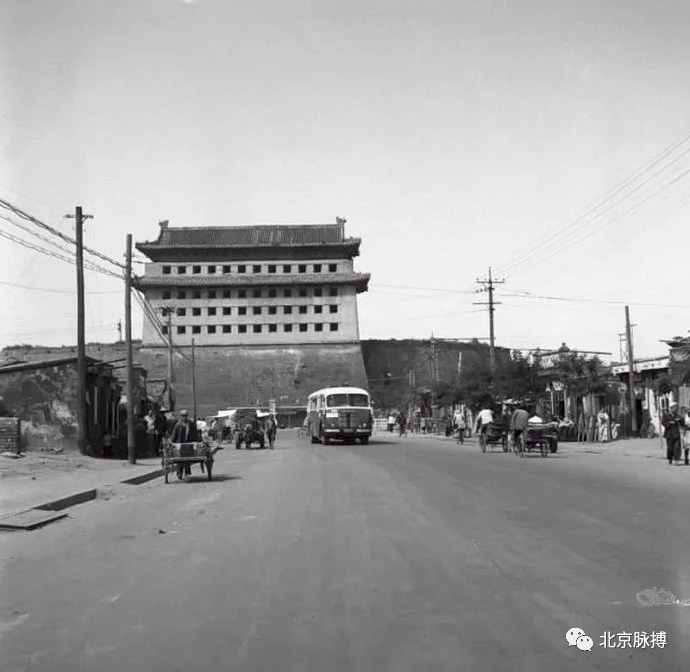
(339, 413)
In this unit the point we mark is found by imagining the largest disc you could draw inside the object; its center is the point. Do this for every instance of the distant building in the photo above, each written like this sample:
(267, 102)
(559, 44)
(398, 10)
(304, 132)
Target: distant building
(253, 285)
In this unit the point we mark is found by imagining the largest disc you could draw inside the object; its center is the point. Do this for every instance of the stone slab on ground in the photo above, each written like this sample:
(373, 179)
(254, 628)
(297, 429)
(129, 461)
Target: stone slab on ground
(38, 479)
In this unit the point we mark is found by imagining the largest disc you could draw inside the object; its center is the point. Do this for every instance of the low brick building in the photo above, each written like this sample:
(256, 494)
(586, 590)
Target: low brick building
(43, 394)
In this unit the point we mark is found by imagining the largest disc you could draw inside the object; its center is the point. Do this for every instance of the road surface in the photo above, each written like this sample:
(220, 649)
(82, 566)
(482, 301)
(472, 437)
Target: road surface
(407, 555)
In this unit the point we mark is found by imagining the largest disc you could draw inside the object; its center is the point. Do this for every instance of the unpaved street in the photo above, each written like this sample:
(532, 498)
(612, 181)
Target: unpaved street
(404, 555)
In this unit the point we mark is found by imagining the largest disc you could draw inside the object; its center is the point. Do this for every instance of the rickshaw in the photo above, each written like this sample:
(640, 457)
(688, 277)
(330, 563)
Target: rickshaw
(533, 438)
(178, 456)
(496, 435)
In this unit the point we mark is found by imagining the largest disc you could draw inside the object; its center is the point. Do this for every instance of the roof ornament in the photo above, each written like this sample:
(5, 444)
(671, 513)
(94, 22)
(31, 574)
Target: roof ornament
(164, 224)
(340, 221)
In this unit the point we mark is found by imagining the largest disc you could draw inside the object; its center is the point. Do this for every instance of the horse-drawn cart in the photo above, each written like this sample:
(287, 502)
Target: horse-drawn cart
(178, 457)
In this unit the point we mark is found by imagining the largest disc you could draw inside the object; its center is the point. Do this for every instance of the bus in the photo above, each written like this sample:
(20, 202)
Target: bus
(341, 413)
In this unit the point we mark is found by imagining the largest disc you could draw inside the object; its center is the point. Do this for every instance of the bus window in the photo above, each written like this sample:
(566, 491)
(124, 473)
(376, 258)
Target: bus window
(335, 400)
(359, 400)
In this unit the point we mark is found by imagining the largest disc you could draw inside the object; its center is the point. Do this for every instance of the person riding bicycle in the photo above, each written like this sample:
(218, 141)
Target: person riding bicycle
(518, 422)
(459, 426)
(484, 419)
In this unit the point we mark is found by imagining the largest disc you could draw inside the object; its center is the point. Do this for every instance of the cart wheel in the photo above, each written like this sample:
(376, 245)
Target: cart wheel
(482, 442)
(209, 469)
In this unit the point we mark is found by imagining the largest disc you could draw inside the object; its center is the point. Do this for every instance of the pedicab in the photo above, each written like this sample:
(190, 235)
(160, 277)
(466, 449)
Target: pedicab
(496, 435)
(178, 457)
(534, 438)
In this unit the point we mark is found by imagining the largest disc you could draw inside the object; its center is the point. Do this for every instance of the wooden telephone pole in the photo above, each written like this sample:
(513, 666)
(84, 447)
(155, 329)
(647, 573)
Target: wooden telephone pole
(131, 433)
(631, 372)
(194, 381)
(489, 286)
(82, 411)
(168, 311)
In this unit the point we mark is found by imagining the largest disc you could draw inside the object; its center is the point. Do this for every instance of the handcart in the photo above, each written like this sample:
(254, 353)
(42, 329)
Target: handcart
(178, 456)
(534, 438)
(496, 435)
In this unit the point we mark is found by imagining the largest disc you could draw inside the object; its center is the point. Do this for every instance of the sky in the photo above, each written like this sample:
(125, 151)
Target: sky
(546, 139)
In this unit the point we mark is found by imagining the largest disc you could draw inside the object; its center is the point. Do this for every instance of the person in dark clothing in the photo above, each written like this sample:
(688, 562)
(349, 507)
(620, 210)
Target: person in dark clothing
(673, 425)
(184, 431)
(160, 427)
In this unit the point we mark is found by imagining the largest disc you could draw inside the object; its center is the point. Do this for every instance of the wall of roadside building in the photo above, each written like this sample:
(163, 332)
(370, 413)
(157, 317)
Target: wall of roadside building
(44, 398)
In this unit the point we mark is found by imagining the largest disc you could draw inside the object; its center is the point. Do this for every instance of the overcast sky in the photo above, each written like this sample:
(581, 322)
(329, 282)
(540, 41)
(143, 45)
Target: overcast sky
(452, 136)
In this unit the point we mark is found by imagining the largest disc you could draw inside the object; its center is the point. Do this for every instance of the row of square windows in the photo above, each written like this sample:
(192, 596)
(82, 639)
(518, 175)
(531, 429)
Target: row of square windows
(256, 310)
(255, 268)
(255, 328)
(242, 293)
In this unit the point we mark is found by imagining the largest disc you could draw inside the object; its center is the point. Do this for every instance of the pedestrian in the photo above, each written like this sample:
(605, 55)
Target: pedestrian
(673, 425)
(402, 423)
(160, 427)
(686, 435)
(603, 426)
(391, 422)
(150, 420)
(184, 431)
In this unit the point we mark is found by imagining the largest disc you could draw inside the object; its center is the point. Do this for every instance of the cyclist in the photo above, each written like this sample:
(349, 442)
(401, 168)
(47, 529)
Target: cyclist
(484, 419)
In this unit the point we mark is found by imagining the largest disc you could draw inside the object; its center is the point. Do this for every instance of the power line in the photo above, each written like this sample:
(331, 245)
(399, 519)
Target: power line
(55, 232)
(539, 256)
(50, 291)
(37, 248)
(529, 252)
(529, 295)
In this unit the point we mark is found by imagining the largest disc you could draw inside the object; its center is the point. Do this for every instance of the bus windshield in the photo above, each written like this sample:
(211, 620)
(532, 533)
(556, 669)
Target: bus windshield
(335, 400)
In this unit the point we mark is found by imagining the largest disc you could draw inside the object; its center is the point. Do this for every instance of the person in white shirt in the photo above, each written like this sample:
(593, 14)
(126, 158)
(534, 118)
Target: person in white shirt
(484, 418)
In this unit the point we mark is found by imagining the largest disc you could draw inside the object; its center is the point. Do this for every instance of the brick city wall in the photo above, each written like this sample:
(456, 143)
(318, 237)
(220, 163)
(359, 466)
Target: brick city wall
(10, 435)
(229, 376)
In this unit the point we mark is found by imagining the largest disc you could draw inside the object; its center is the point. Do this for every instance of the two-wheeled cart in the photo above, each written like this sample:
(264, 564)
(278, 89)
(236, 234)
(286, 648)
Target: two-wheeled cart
(496, 435)
(534, 438)
(178, 458)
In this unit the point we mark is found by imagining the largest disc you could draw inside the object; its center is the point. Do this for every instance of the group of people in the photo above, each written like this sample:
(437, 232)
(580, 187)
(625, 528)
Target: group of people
(516, 422)
(677, 433)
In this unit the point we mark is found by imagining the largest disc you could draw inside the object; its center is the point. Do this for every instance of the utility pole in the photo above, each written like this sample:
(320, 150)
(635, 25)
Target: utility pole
(82, 413)
(168, 311)
(131, 434)
(489, 286)
(631, 371)
(194, 381)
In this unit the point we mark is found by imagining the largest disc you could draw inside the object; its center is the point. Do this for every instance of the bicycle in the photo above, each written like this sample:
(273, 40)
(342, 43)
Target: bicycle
(460, 435)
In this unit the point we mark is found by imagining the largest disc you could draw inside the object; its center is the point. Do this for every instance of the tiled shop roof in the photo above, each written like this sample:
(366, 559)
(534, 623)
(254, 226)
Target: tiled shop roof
(361, 280)
(250, 236)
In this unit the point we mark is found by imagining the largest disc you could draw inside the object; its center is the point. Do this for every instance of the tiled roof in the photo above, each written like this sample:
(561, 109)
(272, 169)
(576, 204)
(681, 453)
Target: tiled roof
(253, 280)
(250, 236)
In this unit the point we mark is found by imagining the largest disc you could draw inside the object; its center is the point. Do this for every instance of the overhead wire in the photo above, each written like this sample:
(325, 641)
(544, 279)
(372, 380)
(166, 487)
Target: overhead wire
(567, 231)
(56, 232)
(540, 258)
(70, 260)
